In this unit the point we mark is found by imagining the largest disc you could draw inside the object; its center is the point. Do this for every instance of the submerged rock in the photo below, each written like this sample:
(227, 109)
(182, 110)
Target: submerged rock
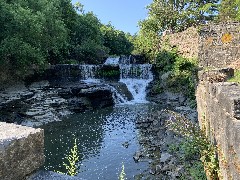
(165, 157)
(137, 156)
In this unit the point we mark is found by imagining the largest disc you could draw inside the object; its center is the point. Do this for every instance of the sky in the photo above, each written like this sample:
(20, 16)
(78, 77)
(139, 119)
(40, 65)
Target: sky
(123, 14)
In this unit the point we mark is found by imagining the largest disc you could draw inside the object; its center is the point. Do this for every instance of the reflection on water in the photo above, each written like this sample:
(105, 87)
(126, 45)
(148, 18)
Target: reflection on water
(106, 138)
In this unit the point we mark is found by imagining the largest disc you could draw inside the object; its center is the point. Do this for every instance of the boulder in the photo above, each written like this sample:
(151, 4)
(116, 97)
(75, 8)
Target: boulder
(21, 151)
(123, 90)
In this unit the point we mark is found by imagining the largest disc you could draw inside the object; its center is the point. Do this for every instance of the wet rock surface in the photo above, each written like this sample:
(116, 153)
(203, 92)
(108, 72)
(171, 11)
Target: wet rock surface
(43, 102)
(49, 175)
(156, 140)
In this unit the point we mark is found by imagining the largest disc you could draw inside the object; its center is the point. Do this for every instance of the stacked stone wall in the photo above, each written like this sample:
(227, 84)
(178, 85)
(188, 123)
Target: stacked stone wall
(219, 44)
(218, 105)
(186, 42)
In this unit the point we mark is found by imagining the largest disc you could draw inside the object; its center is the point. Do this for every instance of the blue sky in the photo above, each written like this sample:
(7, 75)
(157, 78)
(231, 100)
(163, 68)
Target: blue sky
(123, 14)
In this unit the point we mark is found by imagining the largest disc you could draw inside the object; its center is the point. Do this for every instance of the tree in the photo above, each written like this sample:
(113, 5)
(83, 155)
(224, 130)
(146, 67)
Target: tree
(228, 10)
(32, 29)
(116, 40)
(238, 9)
(171, 16)
(87, 42)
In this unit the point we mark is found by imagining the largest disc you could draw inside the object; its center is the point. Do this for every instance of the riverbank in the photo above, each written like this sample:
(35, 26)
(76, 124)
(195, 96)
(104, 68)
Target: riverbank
(159, 145)
(43, 102)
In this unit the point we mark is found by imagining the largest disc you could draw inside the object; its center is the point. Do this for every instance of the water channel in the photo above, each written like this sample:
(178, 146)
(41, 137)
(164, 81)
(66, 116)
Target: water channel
(106, 138)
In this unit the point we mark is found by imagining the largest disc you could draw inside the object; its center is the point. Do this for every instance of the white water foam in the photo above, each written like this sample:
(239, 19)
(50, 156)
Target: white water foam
(91, 80)
(118, 98)
(112, 61)
(136, 78)
(89, 71)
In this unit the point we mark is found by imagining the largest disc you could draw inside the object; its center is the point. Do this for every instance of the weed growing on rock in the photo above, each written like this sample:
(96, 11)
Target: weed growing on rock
(195, 144)
(122, 174)
(236, 77)
(72, 159)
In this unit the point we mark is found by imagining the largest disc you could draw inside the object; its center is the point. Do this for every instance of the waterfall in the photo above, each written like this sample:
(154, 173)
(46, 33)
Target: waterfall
(112, 61)
(136, 77)
(135, 71)
(89, 73)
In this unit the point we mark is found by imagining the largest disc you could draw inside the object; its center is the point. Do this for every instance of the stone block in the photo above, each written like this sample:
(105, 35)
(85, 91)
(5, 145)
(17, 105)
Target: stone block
(21, 151)
(214, 49)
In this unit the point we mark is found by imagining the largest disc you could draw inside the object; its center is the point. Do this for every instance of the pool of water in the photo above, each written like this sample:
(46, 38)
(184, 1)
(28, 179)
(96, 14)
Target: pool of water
(106, 139)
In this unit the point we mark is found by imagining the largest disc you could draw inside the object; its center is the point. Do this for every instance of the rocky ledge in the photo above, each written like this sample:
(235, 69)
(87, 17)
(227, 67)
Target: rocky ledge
(156, 142)
(43, 102)
(21, 151)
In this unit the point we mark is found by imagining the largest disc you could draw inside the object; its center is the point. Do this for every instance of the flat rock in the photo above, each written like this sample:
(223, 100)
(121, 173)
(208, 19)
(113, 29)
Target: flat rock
(165, 157)
(21, 151)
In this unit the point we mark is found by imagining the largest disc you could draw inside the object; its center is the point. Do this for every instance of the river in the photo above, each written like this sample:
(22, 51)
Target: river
(106, 139)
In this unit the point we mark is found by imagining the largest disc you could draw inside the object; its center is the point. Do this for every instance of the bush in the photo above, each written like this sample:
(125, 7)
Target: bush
(165, 60)
(195, 145)
(184, 71)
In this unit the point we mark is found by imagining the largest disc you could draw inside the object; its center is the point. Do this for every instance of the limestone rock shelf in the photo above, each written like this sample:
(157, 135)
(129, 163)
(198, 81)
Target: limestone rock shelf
(21, 150)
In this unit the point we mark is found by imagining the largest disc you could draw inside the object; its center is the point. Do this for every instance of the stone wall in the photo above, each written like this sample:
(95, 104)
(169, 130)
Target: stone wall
(21, 151)
(219, 44)
(218, 105)
(186, 42)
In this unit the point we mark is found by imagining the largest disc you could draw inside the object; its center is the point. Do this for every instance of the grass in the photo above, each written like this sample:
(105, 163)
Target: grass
(236, 77)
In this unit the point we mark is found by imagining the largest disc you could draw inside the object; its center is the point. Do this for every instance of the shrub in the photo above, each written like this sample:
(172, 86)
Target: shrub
(196, 144)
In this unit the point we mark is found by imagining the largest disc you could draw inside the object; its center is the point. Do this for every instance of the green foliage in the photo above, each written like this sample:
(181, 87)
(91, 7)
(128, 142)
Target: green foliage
(238, 9)
(157, 88)
(183, 71)
(122, 174)
(16, 53)
(87, 41)
(117, 41)
(109, 73)
(165, 60)
(184, 82)
(229, 10)
(30, 31)
(35, 34)
(197, 171)
(195, 145)
(72, 160)
(171, 16)
(236, 77)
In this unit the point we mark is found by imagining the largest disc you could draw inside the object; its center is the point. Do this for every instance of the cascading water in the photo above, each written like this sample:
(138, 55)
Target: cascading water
(136, 77)
(89, 73)
(117, 97)
(112, 61)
